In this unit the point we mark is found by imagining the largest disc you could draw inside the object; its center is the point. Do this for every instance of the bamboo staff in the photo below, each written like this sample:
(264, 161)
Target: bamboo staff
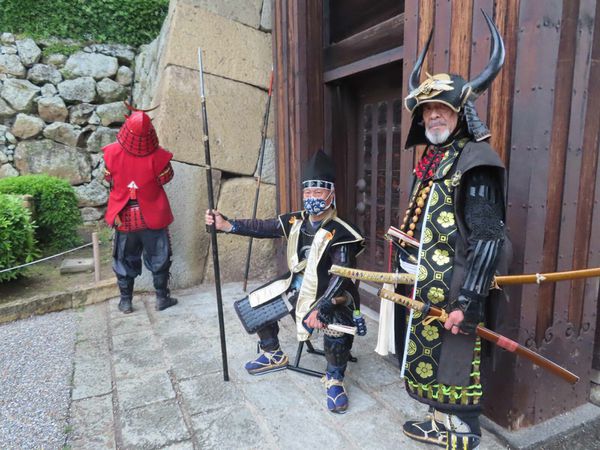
(406, 278)
(212, 229)
(547, 277)
(484, 333)
(261, 158)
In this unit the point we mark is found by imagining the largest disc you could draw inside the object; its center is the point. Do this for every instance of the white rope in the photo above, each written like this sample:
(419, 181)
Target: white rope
(46, 258)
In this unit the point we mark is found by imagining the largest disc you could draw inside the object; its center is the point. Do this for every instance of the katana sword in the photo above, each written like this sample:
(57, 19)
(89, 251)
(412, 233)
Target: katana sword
(375, 277)
(484, 333)
(212, 229)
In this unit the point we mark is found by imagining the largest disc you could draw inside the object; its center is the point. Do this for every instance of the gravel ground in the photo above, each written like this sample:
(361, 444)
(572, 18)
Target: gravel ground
(36, 366)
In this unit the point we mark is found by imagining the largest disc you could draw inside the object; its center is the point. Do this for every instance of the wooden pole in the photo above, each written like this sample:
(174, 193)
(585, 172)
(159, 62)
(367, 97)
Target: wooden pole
(96, 250)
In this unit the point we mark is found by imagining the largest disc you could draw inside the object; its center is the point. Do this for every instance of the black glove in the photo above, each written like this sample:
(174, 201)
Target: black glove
(471, 304)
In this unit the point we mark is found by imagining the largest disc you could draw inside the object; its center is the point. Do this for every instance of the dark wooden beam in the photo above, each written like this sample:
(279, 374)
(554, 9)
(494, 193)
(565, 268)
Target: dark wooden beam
(370, 62)
(377, 39)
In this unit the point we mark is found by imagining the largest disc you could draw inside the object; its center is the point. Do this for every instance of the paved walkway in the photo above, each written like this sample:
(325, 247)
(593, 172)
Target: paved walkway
(153, 380)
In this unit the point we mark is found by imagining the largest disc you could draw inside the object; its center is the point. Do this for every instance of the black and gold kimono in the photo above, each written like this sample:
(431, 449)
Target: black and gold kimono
(457, 214)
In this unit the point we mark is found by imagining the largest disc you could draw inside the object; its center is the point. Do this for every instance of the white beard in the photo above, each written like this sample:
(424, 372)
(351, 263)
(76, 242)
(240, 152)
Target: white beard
(437, 137)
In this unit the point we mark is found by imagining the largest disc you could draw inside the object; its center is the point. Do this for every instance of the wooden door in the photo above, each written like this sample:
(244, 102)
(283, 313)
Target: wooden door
(369, 114)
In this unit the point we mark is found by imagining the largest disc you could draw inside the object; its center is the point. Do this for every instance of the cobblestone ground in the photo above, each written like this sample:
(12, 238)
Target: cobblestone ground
(153, 380)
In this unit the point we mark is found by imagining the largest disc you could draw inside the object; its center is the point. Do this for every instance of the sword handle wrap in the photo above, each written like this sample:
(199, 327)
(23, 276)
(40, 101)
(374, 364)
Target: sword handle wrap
(375, 277)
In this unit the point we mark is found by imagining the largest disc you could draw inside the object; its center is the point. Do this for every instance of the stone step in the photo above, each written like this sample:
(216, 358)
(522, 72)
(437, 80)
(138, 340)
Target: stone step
(77, 265)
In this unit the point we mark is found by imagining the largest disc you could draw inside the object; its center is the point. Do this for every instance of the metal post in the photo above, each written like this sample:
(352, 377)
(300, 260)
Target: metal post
(212, 229)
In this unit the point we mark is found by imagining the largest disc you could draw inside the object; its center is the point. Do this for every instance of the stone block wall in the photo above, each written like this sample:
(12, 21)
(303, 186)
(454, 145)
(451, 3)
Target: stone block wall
(235, 40)
(58, 111)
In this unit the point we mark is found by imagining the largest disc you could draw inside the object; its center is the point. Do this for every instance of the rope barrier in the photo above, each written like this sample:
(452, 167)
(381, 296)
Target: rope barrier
(47, 258)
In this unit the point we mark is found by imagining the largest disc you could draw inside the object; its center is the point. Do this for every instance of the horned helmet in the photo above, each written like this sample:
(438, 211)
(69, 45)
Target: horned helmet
(453, 91)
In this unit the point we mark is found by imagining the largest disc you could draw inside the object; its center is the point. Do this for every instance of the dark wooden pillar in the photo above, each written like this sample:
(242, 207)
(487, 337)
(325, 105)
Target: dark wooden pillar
(297, 48)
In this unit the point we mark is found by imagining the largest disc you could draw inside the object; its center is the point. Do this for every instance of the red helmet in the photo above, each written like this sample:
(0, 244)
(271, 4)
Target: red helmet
(137, 135)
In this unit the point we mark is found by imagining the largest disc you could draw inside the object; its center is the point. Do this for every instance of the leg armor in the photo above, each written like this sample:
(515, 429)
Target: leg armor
(157, 259)
(269, 341)
(337, 352)
(125, 284)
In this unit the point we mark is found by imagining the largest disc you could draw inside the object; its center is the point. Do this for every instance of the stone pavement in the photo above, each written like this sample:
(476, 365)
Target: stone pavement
(153, 380)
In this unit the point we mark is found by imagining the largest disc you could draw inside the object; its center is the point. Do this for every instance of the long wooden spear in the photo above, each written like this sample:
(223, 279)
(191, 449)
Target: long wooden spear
(212, 229)
(484, 333)
(261, 158)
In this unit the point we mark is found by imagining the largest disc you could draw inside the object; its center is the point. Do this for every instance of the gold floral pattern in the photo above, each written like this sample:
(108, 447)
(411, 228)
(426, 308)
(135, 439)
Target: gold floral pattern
(425, 369)
(430, 332)
(428, 236)
(412, 348)
(446, 219)
(435, 295)
(422, 273)
(441, 257)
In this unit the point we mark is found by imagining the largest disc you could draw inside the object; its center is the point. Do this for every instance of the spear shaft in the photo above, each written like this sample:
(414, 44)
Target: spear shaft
(261, 158)
(212, 229)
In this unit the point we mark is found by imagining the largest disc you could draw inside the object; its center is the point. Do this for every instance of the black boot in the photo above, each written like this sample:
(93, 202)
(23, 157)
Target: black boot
(163, 295)
(126, 289)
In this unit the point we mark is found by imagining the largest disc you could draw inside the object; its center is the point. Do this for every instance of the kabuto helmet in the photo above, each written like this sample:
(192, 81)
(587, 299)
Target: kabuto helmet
(319, 171)
(137, 135)
(453, 91)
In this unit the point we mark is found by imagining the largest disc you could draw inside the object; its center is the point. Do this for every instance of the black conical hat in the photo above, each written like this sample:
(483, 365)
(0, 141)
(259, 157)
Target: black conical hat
(319, 167)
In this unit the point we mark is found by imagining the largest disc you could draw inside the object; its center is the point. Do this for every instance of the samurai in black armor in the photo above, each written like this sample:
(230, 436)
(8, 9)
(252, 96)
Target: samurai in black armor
(456, 213)
(316, 239)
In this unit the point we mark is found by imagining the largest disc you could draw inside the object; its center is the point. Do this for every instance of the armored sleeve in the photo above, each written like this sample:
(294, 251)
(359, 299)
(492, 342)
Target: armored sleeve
(343, 255)
(484, 217)
(267, 228)
(166, 175)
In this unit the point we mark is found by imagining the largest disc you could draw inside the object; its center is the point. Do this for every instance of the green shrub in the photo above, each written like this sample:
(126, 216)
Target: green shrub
(17, 241)
(131, 22)
(56, 214)
(63, 49)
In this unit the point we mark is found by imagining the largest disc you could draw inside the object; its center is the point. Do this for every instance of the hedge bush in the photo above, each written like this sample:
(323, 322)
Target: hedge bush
(56, 214)
(17, 241)
(131, 22)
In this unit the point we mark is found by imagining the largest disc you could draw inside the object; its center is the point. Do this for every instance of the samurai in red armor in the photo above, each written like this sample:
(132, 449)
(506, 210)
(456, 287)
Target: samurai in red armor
(137, 168)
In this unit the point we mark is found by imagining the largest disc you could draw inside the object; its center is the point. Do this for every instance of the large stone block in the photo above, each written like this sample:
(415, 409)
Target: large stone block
(236, 201)
(112, 113)
(51, 158)
(235, 113)
(44, 73)
(244, 11)
(11, 64)
(5, 110)
(26, 127)
(6, 170)
(20, 94)
(187, 195)
(78, 90)
(230, 49)
(100, 138)
(29, 52)
(93, 65)
(52, 109)
(63, 133)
